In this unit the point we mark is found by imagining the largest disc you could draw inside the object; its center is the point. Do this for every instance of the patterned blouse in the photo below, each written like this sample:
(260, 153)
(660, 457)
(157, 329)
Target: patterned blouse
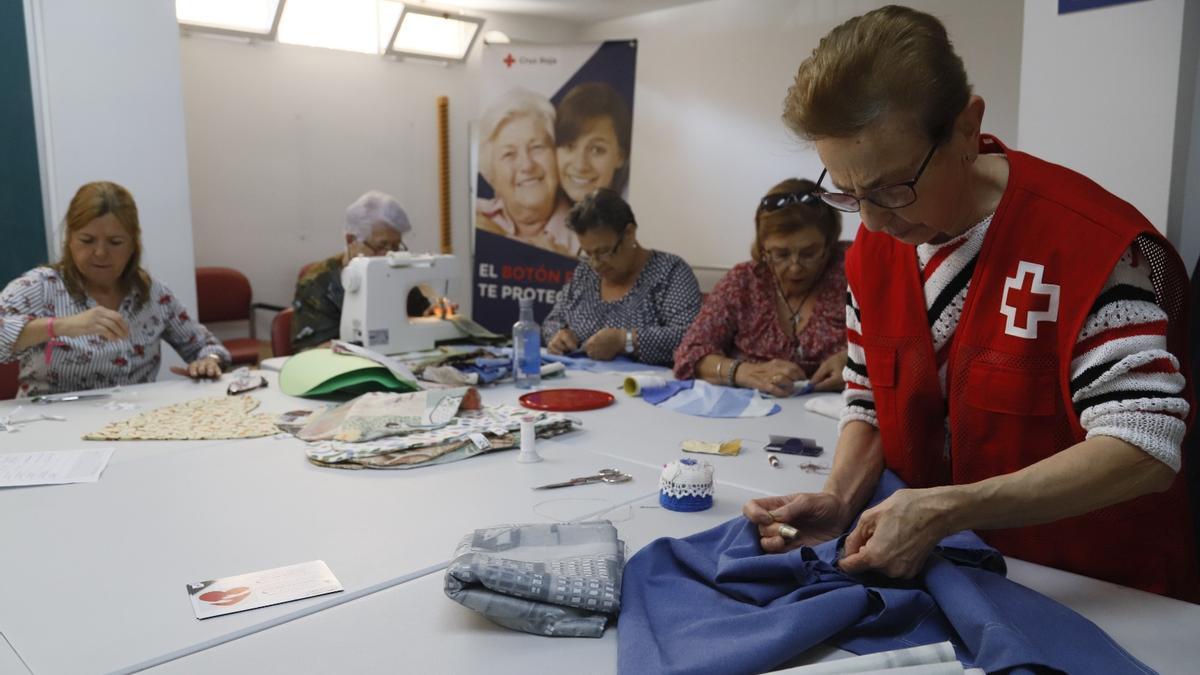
(90, 361)
(660, 306)
(739, 319)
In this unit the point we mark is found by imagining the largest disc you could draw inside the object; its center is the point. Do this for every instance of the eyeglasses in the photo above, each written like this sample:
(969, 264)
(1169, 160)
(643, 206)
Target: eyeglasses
(775, 202)
(600, 255)
(894, 196)
(381, 249)
(778, 257)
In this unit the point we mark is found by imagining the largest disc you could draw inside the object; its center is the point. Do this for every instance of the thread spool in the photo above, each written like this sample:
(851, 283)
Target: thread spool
(529, 453)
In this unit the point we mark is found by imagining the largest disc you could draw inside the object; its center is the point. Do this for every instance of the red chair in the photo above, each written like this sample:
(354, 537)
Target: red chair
(224, 294)
(281, 333)
(8, 380)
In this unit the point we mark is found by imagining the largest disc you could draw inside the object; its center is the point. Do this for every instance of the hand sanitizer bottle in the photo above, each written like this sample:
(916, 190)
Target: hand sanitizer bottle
(527, 348)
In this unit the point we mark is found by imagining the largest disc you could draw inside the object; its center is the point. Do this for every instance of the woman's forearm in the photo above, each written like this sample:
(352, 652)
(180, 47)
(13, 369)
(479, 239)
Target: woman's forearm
(1098, 472)
(857, 465)
(35, 332)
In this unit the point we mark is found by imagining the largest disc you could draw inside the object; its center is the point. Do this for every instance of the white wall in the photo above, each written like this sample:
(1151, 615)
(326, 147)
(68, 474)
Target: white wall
(282, 138)
(1184, 215)
(1099, 95)
(109, 107)
(711, 78)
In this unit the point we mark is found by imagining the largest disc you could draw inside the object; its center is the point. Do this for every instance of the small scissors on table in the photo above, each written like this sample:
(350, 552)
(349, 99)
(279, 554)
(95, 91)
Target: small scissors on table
(605, 476)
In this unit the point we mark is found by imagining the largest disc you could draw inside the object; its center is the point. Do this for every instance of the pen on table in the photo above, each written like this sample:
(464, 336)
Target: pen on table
(773, 461)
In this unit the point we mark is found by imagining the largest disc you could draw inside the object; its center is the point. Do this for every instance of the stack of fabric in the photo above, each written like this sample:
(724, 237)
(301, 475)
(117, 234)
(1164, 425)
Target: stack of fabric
(558, 580)
(403, 431)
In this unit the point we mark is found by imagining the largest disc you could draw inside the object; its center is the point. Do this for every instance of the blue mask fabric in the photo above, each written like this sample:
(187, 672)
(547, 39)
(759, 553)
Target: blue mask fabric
(715, 603)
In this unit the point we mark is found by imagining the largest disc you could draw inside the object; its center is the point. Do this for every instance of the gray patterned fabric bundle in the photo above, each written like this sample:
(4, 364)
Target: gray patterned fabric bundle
(559, 580)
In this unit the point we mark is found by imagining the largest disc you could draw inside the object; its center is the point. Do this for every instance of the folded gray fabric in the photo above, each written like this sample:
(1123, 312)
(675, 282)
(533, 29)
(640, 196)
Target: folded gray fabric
(559, 580)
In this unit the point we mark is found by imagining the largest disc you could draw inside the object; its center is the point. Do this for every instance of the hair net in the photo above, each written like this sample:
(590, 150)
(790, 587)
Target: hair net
(375, 208)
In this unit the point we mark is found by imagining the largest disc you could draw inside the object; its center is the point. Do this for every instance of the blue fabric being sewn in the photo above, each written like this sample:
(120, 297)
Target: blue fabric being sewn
(715, 603)
(697, 397)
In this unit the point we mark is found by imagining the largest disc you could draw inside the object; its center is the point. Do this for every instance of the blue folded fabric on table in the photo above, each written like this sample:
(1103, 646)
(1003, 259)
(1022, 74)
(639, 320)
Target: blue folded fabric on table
(715, 603)
(697, 397)
(619, 364)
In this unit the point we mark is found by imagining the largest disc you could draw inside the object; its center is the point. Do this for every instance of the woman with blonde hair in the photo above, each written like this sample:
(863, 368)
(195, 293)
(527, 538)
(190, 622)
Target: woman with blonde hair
(95, 318)
(1016, 334)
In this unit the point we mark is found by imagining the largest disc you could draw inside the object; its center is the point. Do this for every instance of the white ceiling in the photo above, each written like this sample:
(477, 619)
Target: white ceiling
(565, 10)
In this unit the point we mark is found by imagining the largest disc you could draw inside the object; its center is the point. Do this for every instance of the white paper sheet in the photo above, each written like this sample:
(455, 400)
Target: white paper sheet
(53, 468)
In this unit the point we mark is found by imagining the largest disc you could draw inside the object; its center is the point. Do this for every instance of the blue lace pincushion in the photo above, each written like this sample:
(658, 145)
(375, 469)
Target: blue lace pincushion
(686, 485)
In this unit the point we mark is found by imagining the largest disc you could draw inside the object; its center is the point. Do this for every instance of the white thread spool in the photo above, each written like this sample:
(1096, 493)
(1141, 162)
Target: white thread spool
(529, 453)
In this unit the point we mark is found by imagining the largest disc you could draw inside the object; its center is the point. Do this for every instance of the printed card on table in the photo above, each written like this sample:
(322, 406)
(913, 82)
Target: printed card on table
(261, 589)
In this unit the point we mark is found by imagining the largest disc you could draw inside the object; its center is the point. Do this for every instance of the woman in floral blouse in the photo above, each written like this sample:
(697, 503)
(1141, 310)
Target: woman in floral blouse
(95, 318)
(781, 317)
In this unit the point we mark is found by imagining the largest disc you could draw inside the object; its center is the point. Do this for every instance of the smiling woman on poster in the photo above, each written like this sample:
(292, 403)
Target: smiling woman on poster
(516, 157)
(592, 135)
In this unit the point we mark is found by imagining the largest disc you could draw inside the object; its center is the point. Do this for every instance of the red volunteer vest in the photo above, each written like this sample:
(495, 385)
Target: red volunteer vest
(1052, 244)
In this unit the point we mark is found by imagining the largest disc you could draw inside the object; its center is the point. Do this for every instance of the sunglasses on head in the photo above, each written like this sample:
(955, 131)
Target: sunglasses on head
(778, 201)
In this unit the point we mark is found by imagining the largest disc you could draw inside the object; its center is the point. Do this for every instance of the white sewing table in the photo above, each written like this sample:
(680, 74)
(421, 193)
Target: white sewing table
(94, 574)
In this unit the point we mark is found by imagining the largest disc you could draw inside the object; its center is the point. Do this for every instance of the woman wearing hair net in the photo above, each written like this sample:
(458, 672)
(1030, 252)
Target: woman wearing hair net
(375, 225)
(516, 157)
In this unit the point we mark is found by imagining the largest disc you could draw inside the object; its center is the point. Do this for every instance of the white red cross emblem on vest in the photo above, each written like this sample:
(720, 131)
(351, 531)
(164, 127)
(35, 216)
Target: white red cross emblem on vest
(1028, 301)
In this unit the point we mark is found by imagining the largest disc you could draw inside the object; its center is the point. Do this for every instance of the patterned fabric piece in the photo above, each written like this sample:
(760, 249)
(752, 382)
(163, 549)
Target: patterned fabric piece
(496, 421)
(318, 304)
(1124, 382)
(739, 319)
(202, 419)
(379, 414)
(444, 453)
(661, 305)
(559, 580)
(90, 361)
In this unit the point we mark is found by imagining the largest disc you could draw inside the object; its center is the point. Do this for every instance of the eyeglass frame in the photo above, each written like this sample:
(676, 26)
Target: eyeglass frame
(910, 184)
(400, 246)
(602, 256)
(807, 262)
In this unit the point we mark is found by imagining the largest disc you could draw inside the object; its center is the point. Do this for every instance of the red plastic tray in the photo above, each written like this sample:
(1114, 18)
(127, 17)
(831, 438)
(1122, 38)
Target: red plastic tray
(566, 400)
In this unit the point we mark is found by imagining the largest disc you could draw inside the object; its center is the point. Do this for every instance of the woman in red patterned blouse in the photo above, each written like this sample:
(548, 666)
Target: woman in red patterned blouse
(781, 317)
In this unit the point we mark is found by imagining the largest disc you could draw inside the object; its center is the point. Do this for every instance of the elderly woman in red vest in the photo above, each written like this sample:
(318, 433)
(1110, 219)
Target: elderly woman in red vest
(1015, 333)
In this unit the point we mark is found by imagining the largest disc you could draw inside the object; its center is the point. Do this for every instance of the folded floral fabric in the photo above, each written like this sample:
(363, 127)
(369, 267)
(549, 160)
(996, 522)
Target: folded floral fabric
(558, 580)
(380, 414)
(443, 453)
(201, 419)
(754, 611)
(495, 421)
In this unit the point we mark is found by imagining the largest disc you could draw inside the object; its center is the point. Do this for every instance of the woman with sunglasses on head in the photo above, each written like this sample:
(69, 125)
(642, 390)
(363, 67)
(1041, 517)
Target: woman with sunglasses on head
(1016, 334)
(623, 298)
(781, 317)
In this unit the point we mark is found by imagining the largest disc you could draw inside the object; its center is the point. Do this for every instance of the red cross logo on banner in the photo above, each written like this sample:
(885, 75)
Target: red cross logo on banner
(509, 60)
(1027, 301)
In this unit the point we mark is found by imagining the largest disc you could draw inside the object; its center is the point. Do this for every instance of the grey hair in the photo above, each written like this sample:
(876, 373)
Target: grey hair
(375, 208)
(514, 103)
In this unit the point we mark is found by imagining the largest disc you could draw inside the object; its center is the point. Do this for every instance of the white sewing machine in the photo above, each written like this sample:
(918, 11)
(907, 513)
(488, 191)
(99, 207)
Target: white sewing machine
(374, 310)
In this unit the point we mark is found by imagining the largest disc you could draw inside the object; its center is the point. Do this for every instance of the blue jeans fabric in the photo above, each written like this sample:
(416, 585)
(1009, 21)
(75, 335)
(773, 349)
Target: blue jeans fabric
(715, 603)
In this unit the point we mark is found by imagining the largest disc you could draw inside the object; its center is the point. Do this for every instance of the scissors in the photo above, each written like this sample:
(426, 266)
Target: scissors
(605, 476)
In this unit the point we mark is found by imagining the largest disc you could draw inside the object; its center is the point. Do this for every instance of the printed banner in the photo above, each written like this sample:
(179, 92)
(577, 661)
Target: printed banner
(556, 124)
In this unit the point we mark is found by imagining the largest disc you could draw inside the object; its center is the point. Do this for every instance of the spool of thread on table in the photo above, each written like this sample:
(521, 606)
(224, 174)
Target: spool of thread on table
(529, 453)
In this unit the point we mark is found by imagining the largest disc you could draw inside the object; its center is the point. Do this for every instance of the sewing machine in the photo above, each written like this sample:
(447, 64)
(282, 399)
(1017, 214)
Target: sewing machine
(374, 310)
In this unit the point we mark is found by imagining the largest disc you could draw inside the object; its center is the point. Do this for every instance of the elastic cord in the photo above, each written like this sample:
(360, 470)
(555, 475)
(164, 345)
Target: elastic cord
(52, 342)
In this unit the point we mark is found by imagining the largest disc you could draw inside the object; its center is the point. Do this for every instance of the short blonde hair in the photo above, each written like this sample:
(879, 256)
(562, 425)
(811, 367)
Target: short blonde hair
(514, 103)
(893, 59)
(93, 201)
